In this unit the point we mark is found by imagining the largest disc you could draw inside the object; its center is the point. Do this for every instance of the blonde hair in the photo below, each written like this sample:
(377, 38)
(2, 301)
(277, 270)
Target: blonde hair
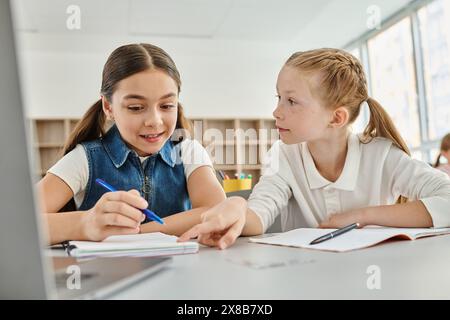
(445, 146)
(343, 83)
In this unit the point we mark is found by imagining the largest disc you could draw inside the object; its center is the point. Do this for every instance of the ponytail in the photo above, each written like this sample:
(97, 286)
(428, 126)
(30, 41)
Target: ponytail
(381, 125)
(90, 127)
(182, 121)
(438, 161)
(183, 128)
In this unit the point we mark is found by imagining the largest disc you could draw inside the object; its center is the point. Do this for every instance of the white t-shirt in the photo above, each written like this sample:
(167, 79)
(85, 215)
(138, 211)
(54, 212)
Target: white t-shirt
(73, 168)
(376, 173)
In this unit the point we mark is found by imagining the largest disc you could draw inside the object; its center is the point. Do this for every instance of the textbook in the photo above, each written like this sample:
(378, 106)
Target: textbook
(146, 244)
(352, 240)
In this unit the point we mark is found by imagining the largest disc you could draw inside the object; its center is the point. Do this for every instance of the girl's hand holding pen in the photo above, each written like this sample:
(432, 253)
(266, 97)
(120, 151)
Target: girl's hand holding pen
(115, 213)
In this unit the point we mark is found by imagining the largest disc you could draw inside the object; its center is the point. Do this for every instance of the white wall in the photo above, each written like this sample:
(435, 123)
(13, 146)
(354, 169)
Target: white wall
(228, 53)
(220, 78)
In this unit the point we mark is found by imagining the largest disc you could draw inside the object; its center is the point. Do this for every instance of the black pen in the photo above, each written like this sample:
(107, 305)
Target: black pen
(333, 234)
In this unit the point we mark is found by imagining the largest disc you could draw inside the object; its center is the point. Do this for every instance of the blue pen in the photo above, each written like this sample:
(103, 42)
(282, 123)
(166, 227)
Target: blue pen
(148, 213)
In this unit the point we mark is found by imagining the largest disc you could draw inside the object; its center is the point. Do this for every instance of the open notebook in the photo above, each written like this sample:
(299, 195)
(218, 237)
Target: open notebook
(146, 244)
(352, 240)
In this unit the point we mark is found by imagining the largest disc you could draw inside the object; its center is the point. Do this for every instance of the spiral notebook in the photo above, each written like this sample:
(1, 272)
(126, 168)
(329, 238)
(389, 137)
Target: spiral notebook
(352, 240)
(146, 244)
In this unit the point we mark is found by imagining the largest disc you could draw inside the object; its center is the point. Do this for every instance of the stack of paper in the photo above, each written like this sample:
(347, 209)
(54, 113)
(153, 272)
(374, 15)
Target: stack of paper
(148, 244)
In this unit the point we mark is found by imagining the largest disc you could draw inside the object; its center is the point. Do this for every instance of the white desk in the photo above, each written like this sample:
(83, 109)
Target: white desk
(417, 269)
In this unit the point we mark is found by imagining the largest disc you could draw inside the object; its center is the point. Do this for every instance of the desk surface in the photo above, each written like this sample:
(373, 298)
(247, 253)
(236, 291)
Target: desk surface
(417, 269)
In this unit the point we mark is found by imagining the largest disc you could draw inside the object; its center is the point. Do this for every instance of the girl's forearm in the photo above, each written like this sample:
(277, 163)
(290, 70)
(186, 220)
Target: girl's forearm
(68, 225)
(64, 226)
(179, 223)
(253, 226)
(176, 224)
(406, 215)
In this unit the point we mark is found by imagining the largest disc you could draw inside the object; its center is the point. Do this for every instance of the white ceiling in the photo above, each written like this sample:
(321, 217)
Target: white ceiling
(303, 22)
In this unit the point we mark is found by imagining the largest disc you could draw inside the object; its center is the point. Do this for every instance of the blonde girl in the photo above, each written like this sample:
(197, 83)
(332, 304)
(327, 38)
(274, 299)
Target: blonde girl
(322, 174)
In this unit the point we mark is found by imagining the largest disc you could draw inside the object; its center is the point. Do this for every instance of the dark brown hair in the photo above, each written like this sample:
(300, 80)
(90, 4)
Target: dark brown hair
(122, 63)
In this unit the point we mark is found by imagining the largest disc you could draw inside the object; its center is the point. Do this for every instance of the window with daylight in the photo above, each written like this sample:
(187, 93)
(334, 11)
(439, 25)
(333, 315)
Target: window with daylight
(434, 24)
(393, 79)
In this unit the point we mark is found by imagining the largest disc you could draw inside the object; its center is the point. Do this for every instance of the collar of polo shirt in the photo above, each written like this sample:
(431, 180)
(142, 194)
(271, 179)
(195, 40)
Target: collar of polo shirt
(349, 175)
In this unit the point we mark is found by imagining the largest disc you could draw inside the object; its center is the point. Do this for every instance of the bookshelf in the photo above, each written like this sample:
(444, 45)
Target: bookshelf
(48, 137)
(235, 145)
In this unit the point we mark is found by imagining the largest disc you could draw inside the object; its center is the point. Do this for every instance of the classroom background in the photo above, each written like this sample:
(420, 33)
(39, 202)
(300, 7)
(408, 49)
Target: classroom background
(229, 53)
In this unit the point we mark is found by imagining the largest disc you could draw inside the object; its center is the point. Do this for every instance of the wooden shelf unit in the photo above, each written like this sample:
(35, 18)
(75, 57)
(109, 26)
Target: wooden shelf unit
(49, 136)
(240, 152)
(246, 149)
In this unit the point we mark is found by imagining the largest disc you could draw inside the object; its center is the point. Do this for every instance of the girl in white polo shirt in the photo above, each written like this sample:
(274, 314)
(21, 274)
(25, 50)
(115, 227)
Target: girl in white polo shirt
(321, 174)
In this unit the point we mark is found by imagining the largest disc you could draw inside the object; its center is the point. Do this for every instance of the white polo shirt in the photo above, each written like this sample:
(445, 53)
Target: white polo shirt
(374, 174)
